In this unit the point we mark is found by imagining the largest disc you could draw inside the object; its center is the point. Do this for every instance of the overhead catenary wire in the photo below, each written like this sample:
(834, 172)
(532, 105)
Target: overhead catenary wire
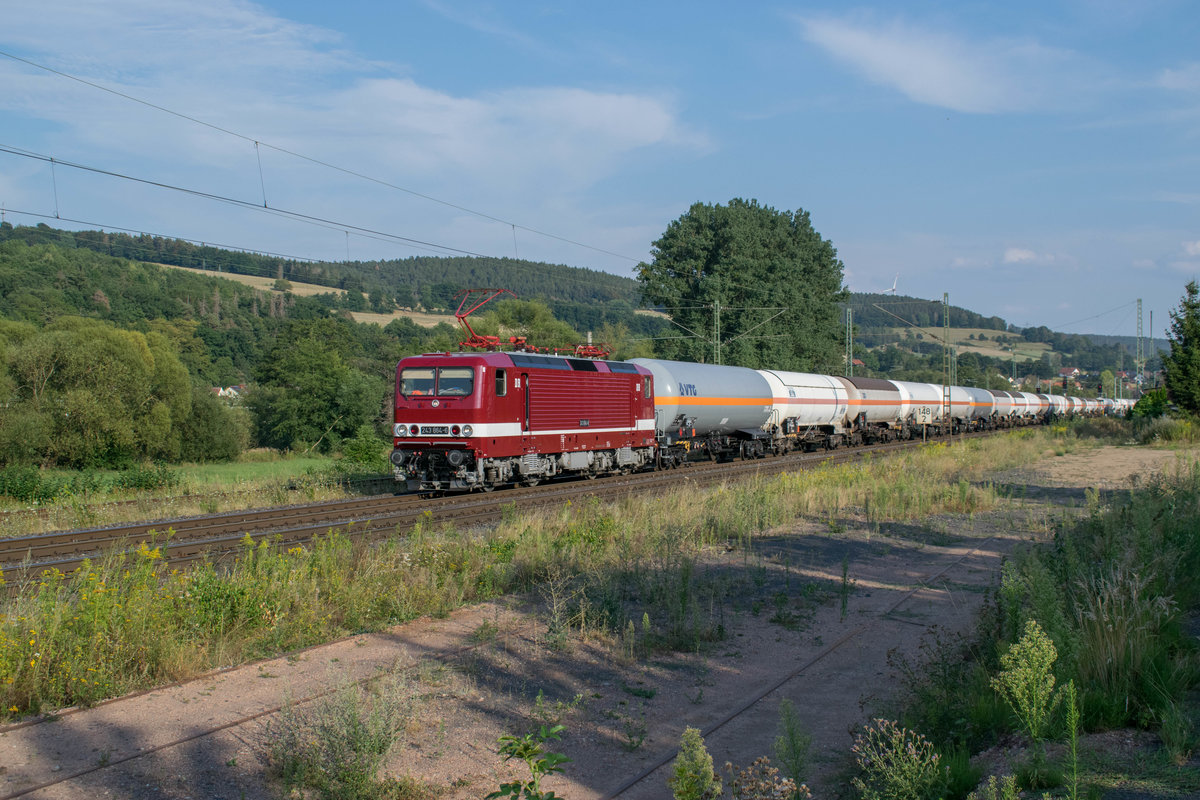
(295, 215)
(313, 160)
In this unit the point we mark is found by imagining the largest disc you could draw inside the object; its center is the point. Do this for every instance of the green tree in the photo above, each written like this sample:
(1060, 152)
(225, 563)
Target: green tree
(1181, 367)
(213, 431)
(97, 395)
(531, 319)
(759, 285)
(308, 393)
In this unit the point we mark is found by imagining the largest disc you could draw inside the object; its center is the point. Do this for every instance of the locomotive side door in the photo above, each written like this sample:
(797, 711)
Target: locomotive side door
(525, 392)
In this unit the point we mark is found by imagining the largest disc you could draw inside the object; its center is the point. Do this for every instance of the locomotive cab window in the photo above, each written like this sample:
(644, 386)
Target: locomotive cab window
(648, 391)
(501, 385)
(455, 381)
(416, 381)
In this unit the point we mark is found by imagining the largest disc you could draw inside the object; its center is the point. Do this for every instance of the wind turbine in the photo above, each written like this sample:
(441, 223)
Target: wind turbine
(892, 290)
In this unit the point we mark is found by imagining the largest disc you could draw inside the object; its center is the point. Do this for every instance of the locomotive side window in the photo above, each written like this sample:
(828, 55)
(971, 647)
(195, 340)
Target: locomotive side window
(501, 385)
(648, 390)
(416, 381)
(455, 381)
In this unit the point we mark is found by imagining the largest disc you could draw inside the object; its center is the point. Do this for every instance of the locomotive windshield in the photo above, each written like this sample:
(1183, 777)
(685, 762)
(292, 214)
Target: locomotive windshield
(455, 381)
(416, 381)
(444, 381)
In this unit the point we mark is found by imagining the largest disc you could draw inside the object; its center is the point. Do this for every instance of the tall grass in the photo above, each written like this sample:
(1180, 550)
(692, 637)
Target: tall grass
(129, 621)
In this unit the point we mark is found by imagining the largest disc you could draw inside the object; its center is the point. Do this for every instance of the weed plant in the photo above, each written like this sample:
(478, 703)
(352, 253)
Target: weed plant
(761, 781)
(531, 749)
(692, 775)
(793, 743)
(337, 745)
(895, 763)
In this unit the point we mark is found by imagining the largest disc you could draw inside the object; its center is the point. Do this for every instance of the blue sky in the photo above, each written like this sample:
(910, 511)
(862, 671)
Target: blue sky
(1038, 161)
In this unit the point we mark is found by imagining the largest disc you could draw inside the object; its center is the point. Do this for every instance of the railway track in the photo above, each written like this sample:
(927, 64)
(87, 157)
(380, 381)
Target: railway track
(218, 536)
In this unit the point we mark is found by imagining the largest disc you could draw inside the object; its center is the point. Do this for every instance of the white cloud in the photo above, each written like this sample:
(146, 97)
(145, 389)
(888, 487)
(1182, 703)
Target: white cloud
(1192, 248)
(951, 71)
(1019, 255)
(1185, 78)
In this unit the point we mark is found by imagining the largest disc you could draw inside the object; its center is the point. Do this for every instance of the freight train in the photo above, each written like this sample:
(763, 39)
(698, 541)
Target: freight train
(476, 421)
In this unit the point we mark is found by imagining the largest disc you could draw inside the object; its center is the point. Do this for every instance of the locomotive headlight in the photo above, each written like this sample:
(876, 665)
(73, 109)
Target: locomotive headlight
(399, 430)
(467, 430)
(413, 430)
(454, 430)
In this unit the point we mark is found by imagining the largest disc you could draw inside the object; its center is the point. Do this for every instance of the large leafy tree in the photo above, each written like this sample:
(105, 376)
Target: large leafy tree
(85, 393)
(756, 285)
(309, 396)
(1181, 368)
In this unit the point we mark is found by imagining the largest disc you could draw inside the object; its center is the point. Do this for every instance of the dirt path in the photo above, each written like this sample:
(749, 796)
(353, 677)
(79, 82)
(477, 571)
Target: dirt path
(801, 629)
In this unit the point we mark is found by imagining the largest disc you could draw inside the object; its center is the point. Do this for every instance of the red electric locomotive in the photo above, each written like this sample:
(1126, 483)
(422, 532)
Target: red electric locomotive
(480, 420)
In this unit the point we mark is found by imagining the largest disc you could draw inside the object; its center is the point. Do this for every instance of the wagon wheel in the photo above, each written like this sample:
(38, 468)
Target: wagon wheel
(532, 481)
(488, 487)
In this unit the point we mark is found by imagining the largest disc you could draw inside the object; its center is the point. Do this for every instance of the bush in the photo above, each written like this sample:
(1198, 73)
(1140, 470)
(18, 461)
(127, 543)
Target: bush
(365, 453)
(1151, 405)
(1164, 429)
(31, 485)
(160, 476)
(1109, 428)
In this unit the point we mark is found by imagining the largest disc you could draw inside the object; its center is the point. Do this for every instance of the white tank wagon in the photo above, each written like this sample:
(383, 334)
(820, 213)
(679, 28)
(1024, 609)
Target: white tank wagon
(1002, 407)
(922, 403)
(971, 407)
(1020, 407)
(810, 411)
(722, 411)
(874, 412)
(1058, 405)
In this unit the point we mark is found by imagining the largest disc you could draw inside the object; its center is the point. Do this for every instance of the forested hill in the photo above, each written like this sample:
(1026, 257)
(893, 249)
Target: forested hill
(419, 282)
(882, 310)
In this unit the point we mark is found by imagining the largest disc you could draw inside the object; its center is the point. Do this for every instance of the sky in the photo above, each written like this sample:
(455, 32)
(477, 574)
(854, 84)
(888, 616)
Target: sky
(1038, 161)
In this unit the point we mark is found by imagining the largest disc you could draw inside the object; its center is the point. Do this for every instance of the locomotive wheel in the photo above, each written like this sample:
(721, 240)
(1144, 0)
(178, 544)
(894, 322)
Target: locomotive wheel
(488, 487)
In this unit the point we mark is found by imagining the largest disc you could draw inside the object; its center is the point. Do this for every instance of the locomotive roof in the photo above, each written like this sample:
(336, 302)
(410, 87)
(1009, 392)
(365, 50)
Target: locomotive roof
(540, 361)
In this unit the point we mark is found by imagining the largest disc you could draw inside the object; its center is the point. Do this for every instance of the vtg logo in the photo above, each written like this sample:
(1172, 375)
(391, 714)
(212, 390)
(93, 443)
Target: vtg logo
(688, 390)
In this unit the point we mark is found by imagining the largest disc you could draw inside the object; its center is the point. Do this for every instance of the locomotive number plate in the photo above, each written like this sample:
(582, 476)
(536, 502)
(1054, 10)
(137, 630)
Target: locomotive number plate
(435, 430)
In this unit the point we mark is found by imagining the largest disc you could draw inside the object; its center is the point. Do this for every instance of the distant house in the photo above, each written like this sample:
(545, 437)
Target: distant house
(229, 393)
(1069, 372)
(858, 362)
